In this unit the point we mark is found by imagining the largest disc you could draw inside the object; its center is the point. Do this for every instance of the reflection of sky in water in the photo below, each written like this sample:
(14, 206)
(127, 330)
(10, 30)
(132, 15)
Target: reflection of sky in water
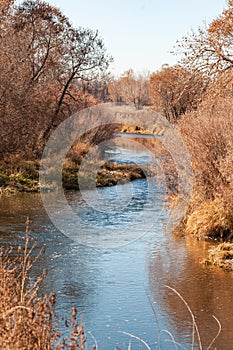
(114, 223)
(110, 287)
(127, 156)
(121, 215)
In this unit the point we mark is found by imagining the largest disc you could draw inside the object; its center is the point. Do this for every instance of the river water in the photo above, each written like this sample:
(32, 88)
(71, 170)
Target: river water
(123, 288)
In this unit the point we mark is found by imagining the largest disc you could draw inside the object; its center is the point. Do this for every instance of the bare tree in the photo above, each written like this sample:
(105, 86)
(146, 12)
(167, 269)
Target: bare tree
(210, 50)
(175, 90)
(42, 60)
(131, 88)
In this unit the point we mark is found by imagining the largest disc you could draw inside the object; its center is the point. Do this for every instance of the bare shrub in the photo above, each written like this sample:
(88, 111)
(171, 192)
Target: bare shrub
(211, 219)
(131, 88)
(221, 256)
(175, 91)
(208, 134)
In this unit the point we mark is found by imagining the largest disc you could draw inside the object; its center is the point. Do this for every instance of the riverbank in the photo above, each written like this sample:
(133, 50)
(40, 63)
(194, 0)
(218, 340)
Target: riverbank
(26, 178)
(207, 132)
(211, 221)
(221, 256)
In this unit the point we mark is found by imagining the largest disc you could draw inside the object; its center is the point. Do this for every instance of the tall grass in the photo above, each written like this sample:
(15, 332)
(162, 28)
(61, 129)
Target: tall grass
(208, 134)
(27, 320)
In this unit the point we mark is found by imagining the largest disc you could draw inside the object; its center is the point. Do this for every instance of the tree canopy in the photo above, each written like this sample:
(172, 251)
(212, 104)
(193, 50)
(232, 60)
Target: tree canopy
(175, 91)
(210, 50)
(130, 88)
(43, 58)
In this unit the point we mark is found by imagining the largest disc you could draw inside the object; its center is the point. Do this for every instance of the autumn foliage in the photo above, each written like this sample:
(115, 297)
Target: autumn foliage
(208, 134)
(210, 50)
(175, 91)
(197, 95)
(208, 130)
(130, 88)
(43, 59)
(50, 70)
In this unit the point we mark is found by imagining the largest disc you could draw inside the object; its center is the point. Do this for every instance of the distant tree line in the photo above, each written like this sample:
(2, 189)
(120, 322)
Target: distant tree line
(49, 70)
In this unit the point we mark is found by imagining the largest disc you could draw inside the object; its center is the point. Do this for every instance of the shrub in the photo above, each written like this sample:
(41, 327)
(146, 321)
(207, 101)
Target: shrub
(208, 134)
(221, 256)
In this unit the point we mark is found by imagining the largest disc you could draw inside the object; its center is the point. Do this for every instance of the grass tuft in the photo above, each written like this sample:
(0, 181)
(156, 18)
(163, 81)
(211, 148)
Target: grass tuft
(211, 220)
(221, 256)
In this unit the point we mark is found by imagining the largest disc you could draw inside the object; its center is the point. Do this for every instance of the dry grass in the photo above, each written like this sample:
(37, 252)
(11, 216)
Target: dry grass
(208, 134)
(134, 129)
(27, 321)
(221, 256)
(211, 220)
(77, 153)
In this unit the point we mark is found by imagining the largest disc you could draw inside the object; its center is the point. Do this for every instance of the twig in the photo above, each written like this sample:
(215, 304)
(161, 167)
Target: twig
(219, 331)
(134, 336)
(96, 343)
(171, 336)
(195, 328)
(16, 308)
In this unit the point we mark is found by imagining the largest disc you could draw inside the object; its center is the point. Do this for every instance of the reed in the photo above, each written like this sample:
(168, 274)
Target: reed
(195, 338)
(27, 320)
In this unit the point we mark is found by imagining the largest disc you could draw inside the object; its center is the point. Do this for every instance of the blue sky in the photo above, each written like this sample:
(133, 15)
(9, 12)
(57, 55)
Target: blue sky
(140, 34)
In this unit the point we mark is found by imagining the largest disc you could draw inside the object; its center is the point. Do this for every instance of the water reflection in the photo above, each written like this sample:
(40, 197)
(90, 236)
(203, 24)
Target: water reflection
(115, 289)
(108, 286)
(70, 268)
(207, 290)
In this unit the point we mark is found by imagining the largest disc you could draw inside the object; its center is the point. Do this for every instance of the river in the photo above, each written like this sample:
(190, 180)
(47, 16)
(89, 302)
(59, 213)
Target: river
(123, 288)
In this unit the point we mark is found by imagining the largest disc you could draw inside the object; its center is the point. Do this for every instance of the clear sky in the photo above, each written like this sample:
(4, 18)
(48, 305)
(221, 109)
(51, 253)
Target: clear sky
(140, 34)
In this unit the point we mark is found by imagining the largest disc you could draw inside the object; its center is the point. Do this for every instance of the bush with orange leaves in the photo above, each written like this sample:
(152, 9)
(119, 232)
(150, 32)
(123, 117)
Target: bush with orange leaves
(175, 91)
(210, 50)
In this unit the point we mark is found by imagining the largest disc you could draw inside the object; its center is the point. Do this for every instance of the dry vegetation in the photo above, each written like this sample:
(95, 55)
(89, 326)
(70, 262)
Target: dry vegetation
(27, 320)
(130, 88)
(208, 133)
(44, 61)
(221, 256)
(197, 96)
(175, 91)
